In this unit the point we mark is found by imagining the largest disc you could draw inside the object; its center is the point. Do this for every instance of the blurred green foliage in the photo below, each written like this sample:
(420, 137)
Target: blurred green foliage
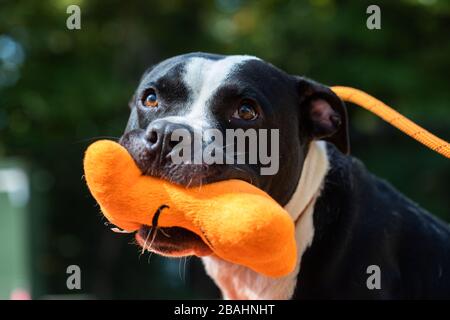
(63, 89)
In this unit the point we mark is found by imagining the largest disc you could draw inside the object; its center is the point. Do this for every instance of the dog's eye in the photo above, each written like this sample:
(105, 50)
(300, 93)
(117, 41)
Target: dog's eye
(246, 111)
(150, 99)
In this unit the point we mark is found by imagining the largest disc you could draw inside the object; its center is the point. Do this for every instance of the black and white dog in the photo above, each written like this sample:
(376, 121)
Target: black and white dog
(348, 222)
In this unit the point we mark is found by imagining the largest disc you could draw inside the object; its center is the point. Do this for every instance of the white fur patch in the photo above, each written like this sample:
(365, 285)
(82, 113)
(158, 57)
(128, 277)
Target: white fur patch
(239, 282)
(203, 77)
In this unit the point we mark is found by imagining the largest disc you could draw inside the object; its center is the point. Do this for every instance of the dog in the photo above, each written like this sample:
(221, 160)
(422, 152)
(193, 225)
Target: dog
(357, 237)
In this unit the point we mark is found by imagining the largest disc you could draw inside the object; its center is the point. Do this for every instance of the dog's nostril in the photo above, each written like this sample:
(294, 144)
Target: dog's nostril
(153, 138)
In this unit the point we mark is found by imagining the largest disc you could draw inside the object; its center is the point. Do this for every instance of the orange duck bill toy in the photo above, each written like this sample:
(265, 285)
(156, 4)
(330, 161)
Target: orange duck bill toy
(235, 220)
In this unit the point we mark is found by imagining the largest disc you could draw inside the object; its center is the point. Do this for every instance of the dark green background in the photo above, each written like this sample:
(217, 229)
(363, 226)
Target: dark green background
(73, 87)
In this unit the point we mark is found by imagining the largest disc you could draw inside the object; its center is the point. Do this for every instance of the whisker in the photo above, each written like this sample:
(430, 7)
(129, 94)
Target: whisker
(149, 256)
(145, 242)
(184, 269)
(179, 268)
(190, 182)
(153, 238)
(227, 145)
(164, 233)
(151, 243)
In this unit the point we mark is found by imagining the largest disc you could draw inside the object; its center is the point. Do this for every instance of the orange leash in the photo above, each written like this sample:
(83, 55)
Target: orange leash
(391, 116)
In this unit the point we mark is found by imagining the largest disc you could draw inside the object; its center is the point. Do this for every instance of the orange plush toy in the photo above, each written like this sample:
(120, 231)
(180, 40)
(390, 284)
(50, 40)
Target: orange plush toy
(239, 222)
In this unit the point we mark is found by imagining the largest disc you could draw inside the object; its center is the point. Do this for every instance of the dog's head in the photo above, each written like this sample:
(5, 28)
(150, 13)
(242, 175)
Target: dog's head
(209, 96)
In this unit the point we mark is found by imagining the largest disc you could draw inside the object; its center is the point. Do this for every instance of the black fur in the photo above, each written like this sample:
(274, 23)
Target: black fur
(361, 220)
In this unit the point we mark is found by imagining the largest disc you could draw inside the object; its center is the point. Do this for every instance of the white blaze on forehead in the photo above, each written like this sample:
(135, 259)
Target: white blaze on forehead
(203, 77)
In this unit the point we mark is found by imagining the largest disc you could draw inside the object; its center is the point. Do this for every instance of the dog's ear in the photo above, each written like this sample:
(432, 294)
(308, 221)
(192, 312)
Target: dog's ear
(323, 114)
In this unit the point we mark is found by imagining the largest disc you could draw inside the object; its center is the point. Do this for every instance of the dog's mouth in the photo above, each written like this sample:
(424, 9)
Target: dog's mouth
(172, 241)
(177, 241)
(184, 174)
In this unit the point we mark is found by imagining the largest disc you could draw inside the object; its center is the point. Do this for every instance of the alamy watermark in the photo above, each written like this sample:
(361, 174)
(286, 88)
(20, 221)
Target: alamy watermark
(373, 282)
(73, 281)
(239, 146)
(373, 22)
(73, 21)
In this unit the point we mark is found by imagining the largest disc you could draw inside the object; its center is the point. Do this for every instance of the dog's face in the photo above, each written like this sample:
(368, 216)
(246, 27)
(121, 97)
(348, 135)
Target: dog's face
(202, 93)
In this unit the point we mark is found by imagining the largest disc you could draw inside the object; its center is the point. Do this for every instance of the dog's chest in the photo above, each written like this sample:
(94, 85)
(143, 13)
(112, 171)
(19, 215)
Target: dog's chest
(239, 282)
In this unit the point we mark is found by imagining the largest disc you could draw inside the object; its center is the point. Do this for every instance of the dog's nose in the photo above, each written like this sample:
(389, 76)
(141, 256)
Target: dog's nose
(159, 136)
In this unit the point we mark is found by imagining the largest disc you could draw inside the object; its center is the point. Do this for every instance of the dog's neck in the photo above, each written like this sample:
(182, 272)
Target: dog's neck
(239, 282)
